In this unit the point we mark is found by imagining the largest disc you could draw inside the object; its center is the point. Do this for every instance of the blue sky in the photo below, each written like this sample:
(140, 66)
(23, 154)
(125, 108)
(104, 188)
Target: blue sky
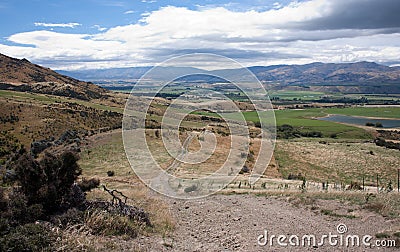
(104, 33)
(21, 15)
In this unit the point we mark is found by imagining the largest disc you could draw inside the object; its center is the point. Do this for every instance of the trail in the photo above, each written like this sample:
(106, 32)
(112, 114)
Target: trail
(234, 223)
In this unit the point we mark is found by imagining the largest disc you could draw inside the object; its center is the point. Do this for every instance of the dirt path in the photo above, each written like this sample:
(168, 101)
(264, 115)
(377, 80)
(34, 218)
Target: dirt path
(234, 222)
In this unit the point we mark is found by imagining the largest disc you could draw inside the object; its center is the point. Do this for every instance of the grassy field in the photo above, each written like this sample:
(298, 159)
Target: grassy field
(304, 119)
(384, 112)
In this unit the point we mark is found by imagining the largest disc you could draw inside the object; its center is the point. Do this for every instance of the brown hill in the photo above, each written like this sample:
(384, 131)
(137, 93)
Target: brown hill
(22, 75)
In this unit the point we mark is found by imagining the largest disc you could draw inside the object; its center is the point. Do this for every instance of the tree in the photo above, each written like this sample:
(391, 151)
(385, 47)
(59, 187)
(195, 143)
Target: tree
(50, 181)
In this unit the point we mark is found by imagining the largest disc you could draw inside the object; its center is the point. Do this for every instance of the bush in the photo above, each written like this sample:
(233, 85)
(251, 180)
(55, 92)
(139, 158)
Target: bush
(48, 182)
(88, 184)
(288, 131)
(295, 177)
(191, 188)
(28, 237)
(71, 217)
(3, 200)
(110, 173)
(19, 212)
(104, 223)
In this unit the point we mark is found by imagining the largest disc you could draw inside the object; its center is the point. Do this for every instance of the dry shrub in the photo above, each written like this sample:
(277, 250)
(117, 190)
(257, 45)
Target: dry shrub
(104, 223)
(88, 184)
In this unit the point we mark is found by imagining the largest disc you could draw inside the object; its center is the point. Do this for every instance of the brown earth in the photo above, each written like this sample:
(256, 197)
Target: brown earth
(234, 223)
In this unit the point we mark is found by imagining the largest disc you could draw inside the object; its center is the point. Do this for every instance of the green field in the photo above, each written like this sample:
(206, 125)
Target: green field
(304, 119)
(385, 112)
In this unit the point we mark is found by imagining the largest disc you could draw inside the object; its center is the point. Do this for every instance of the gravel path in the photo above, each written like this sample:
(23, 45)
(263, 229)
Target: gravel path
(234, 222)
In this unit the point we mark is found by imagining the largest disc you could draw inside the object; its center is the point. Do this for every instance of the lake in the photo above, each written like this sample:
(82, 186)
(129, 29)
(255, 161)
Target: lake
(387, 123)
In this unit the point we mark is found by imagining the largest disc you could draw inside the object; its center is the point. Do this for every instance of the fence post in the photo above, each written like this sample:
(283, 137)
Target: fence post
(398, 180)
(363, 183)
(377, 183)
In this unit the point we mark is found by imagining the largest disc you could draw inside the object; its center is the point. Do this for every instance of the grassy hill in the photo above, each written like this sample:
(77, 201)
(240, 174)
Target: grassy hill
(21, 75)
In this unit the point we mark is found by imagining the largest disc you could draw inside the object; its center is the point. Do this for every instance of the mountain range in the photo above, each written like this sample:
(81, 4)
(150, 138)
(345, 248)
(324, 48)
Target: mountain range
(359, 77)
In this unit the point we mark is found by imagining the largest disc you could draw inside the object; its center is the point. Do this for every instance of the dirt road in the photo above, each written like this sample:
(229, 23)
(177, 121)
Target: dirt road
(235, 222)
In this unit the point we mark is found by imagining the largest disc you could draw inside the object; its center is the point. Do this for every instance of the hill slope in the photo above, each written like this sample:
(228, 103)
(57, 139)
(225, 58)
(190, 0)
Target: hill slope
(22, 75)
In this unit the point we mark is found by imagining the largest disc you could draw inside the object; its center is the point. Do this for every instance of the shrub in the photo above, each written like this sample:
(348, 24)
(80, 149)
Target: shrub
(88, 184)
(3, 200)
(354, 186)
(19, 211)
(70, 217)
(110, 173)
(4, 226)
(191, 188)
(295, 177)
(28, 237)
(48, 182)
(104, 223)
(244, 169)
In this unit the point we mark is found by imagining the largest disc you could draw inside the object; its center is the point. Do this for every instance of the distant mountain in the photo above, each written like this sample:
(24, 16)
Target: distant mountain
(321, 73)
(21, 75)
(360, 77)
(132, 73)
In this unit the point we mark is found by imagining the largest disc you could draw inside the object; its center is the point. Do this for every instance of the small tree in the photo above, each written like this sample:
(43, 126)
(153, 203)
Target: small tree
(48, 182)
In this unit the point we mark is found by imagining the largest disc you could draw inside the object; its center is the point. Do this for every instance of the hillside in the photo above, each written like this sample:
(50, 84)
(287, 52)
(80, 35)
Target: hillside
(22, 75)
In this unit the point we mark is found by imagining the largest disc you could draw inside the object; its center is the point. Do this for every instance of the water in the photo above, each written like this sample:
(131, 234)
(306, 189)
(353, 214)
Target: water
(387, 123)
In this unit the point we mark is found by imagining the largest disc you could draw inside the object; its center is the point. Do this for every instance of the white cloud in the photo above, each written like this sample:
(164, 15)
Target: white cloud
(99, 28)
(63, 25)
(149, 1)
(284, 35)
(129, 12)
(277, 5)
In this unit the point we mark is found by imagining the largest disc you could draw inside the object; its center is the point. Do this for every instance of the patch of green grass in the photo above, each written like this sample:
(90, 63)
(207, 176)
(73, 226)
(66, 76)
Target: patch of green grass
(384, 112)
(333, 214)
(303, 119)
(382, 235)
(109, 156)
(23, 96)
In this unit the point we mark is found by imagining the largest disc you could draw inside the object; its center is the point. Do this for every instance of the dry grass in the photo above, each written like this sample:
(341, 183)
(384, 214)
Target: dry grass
(107, 153)
(338, 161)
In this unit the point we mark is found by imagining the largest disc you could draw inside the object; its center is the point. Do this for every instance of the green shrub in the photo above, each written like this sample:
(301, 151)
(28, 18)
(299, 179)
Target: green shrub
(70, 217)
(19, 211)
(48, 182)
(28, 237)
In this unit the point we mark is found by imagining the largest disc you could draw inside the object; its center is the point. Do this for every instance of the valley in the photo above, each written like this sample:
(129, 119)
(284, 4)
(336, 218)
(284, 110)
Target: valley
(321, 173)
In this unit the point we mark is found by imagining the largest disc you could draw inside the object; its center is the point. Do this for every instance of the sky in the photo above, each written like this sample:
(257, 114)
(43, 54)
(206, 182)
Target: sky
(95, 34)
